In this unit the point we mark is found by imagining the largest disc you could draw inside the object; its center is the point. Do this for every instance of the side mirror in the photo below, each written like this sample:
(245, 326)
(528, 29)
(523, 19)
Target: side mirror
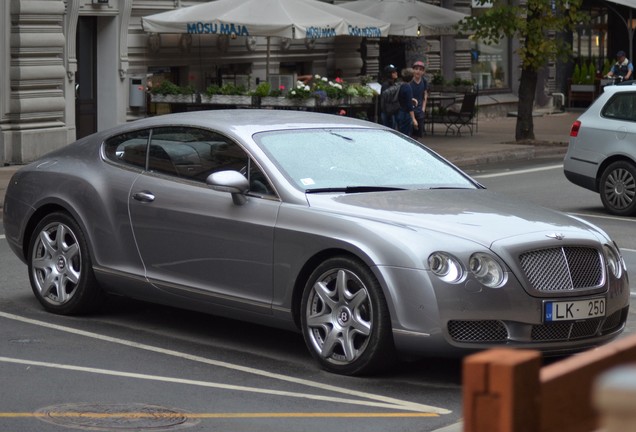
(230, 181)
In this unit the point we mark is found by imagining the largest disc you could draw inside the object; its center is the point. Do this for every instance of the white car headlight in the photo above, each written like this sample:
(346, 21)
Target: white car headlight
(446, 267)
(613, 261)
(486, 270)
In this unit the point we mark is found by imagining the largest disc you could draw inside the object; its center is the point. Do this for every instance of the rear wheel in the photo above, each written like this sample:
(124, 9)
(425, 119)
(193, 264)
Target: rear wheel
(618, 188)
(60, 268)
(345, 319)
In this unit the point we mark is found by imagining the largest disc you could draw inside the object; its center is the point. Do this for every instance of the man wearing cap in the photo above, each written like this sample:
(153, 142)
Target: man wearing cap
(420, 94)
(623, 68)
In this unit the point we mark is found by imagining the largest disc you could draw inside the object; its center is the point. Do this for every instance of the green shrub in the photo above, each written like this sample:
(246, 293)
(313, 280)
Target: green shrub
(166, 88)
(232, 89)
(576, 75)
(263, 89)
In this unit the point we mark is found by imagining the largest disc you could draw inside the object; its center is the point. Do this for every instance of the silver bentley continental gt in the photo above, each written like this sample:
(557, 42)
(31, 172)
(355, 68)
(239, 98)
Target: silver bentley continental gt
(367, 242)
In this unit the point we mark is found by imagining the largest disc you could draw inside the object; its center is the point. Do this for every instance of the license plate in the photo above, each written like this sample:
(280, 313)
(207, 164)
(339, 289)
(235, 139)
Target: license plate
(575, 310)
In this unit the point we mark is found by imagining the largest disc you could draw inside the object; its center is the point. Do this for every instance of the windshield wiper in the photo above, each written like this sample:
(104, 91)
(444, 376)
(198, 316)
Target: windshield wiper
(449, 187)
(354, 189)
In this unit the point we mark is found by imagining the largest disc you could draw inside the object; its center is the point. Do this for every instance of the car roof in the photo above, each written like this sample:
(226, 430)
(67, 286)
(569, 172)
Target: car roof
(629, 86)
(251, 121)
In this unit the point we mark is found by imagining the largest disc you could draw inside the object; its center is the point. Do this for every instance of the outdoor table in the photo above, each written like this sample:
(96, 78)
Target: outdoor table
(441, 102)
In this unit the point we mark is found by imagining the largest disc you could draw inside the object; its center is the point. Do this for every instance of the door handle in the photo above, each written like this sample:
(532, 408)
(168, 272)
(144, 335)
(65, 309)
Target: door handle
(144, 196)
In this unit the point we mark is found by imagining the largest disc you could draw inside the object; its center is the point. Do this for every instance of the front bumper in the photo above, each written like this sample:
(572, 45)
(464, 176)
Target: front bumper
(444, 319)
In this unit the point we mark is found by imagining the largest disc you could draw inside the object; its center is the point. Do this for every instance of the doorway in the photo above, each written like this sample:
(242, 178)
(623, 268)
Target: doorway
(392, 51)
(86, 77)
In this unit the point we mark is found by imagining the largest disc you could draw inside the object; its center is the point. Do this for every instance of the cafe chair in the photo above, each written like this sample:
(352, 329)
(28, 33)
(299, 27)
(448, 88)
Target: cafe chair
(465, 117)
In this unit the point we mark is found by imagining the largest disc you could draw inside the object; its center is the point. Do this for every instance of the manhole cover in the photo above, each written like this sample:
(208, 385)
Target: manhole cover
(119, 417)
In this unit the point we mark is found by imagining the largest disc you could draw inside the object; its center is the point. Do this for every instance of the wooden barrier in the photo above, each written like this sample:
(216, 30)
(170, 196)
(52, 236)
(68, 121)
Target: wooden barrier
(507, 390)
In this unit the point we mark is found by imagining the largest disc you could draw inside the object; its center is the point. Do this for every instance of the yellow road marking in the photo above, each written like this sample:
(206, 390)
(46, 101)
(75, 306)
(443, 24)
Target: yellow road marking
(216, 415)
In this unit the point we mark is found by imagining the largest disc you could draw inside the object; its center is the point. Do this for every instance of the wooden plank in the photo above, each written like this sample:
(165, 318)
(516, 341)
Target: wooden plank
(501, 389)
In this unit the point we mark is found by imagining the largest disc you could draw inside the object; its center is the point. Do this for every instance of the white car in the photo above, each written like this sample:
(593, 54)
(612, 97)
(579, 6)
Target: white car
(602, 151)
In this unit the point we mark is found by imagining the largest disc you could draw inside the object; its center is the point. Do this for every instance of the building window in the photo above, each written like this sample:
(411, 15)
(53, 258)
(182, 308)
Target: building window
(490, 65)
(589, 41)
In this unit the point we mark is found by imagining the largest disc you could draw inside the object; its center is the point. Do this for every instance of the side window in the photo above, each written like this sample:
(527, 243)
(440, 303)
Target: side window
(129, 148)
(621, 107)
(193, 153)
(259, 185)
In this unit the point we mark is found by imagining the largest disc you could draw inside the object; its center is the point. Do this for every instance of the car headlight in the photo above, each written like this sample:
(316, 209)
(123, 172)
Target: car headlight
(446, 267)
(613, 260)
(486, 270)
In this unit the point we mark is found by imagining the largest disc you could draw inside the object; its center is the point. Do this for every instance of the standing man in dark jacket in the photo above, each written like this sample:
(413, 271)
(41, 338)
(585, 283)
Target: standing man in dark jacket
(420, 94)
(390, 79)
(405, 117)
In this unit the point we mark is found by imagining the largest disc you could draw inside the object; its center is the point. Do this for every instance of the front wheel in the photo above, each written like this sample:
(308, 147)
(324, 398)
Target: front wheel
(60, 268)
(618, 188)
(345, 319)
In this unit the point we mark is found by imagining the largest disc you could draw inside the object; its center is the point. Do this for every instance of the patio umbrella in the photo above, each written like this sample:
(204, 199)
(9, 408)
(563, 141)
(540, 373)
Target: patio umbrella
(409, 17)
(294, 19)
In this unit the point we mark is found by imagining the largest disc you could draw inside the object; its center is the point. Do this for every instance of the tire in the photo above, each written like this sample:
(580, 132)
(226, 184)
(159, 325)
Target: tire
(60, 268)
(345, 320)
(618, 188)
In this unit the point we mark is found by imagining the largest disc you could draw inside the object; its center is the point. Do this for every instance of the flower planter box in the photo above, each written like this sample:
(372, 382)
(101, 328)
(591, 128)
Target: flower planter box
(172, 98)
(582, 88)
(332, 102)
(361, 100)
(581, 94)
(287, 102)
(226, 99)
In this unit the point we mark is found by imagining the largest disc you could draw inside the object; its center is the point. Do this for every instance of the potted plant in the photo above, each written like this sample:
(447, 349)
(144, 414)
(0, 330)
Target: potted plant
(227, 94)
(583, 78)
(264, 95)
(360, 94)
(164, 91)
(301, 95)
(327, 92)
(186, 94)
(437, 82)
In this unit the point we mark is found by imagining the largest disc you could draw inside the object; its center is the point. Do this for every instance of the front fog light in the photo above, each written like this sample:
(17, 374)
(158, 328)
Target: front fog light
(446, 267)
(486, 270)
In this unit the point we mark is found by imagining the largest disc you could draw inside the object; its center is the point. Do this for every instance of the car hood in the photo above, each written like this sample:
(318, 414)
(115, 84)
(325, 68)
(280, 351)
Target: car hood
(475, 214)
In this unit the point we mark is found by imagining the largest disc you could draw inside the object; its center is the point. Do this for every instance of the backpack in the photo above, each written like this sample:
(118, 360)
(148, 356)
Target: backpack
(389, 99)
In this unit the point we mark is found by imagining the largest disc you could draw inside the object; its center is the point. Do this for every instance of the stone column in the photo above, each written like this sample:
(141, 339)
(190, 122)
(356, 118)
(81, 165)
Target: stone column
(33, 123)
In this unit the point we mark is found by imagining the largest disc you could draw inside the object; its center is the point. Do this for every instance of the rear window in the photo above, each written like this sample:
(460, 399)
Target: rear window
(621, 106)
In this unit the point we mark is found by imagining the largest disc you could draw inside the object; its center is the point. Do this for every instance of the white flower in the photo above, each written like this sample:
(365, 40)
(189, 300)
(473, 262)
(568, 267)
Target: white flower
(299, 83)
(317, 76)
(293, 92)
(338, 86)
(307, 88)
(325, 79)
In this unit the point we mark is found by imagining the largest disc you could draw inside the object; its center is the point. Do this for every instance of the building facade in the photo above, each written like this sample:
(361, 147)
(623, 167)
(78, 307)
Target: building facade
(79, 66)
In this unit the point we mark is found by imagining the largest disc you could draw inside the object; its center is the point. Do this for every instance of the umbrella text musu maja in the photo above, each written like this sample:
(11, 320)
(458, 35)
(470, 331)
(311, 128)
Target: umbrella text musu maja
(294, 19)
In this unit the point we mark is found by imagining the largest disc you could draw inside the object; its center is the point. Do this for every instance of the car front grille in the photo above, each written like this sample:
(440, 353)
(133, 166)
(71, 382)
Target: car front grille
(495, 331)
(565, 330)
(563, 269)
(477, 331)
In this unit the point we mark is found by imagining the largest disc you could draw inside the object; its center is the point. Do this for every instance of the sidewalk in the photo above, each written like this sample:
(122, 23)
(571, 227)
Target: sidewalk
(493, 141)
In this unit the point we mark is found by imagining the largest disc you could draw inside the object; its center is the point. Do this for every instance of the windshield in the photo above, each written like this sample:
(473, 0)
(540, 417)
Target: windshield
(333, 159)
